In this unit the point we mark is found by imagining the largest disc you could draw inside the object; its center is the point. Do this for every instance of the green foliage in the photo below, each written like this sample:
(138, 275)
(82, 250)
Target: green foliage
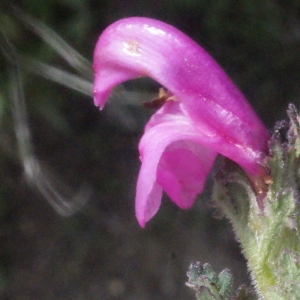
(207, 284)
(269, 236)
(210, 286)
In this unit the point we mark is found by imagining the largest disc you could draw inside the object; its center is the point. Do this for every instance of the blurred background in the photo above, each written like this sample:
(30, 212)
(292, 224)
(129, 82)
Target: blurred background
(68, 171)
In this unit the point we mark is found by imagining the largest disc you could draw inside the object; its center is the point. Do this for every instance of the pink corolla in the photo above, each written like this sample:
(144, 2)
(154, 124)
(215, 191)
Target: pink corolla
(204, 115)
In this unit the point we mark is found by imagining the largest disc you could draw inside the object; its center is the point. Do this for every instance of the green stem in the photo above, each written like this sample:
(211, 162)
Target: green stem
(270, 237)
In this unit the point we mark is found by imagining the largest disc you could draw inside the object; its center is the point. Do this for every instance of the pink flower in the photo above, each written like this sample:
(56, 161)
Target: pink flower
(206, 115)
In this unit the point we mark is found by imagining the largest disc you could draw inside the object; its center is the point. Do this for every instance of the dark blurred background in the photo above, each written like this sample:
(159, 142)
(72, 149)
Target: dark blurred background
(99, 251)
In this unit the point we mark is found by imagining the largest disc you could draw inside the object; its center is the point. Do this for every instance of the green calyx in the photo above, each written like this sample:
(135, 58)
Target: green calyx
(269, 232)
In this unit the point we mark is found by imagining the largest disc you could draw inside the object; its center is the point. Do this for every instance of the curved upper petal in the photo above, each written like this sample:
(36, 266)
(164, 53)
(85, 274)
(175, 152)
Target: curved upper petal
(136, 47)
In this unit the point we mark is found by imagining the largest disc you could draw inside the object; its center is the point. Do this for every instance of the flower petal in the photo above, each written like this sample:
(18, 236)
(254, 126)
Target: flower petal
(173, 159)
(182, 171)
(136, 47)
